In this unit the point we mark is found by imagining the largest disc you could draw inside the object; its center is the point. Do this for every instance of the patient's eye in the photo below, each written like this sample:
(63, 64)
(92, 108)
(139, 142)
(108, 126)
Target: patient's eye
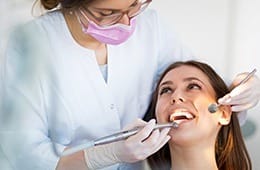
(192, 86)
(165, 90)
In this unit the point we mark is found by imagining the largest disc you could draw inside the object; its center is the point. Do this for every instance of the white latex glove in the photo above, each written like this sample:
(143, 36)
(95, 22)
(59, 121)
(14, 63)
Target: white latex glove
(135, 148)
(244, 96)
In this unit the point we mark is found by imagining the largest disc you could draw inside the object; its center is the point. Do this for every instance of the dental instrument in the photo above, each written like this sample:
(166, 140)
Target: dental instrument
(214, 106)
(115, 137)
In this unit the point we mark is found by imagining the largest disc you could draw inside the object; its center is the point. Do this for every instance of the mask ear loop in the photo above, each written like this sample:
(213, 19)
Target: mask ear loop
(81, 17)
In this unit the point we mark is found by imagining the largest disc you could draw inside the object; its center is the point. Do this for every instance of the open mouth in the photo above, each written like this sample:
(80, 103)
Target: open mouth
(181, 116)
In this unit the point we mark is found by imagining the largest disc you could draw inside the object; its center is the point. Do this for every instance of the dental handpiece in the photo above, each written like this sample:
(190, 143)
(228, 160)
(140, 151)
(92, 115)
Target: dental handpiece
(115, 137)
(125, 134)
(214, 106)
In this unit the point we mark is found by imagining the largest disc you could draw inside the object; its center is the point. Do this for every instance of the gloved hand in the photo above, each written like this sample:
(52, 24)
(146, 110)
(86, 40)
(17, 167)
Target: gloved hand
(133, 149)
(244, 96)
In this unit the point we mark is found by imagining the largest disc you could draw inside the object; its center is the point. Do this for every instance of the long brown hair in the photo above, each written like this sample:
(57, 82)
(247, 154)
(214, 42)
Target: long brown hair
(231, 152)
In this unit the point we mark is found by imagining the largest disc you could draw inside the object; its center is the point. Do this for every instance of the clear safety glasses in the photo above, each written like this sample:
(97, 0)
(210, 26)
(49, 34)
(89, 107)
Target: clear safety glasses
(106, 17)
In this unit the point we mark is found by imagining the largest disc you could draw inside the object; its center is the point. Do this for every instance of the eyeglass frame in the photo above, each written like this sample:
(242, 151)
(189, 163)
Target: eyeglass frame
(126, 12)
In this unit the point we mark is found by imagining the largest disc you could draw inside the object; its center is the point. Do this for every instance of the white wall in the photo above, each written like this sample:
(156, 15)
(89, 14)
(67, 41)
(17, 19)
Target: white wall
(225, 33)
(246, 33)
(202, 25)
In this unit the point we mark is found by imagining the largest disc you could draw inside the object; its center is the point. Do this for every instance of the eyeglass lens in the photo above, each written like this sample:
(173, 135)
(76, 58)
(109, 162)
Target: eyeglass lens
(114, 18)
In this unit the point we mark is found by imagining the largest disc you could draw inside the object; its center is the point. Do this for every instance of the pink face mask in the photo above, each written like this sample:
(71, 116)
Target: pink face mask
(114, 34)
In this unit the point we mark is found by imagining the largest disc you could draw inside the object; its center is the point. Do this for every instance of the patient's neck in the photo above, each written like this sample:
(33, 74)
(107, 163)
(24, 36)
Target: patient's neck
(195, 157)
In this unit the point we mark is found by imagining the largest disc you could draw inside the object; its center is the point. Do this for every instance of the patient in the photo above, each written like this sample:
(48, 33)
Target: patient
(204, 140)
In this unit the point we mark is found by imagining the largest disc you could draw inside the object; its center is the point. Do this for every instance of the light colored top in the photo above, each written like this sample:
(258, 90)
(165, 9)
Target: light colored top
(56, 96)
(103, 69)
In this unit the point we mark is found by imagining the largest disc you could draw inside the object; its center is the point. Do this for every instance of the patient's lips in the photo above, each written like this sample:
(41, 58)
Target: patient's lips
(179, 116)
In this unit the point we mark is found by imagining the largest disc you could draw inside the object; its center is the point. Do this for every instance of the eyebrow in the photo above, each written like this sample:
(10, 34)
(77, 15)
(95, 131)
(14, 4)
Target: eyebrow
(111, 9)
(166, 83)
(169, 82)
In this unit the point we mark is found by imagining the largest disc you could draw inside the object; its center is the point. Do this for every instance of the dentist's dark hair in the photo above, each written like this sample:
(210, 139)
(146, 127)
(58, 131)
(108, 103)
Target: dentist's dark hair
(63, 4)
(230, 149)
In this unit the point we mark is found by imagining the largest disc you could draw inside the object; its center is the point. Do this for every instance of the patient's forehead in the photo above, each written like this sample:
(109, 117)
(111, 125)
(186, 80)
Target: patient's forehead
(183, 72)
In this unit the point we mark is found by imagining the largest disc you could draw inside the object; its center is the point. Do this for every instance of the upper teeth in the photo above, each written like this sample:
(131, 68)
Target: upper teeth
(186, 114)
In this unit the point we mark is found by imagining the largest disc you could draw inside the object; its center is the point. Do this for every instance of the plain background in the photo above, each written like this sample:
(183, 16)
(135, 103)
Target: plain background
(224, 33)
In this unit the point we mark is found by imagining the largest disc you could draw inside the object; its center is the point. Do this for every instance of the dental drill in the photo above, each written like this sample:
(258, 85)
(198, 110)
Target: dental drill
(115, 137)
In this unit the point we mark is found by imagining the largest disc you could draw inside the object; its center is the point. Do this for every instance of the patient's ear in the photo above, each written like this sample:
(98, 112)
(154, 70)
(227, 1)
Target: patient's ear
(225, 116)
